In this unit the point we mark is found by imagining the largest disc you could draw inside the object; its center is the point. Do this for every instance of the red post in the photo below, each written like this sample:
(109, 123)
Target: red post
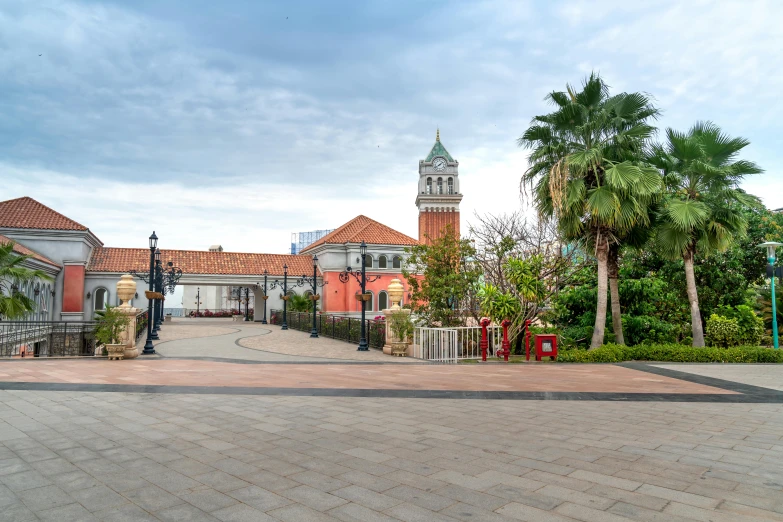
(527, 340)
(484, 322)
(506, 346)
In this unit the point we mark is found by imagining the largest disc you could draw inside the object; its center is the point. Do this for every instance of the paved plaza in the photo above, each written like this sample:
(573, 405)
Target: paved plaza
(211, 433)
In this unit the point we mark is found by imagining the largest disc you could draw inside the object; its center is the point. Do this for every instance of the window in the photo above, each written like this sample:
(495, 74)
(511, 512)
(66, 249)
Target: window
(383, 300)
(368, 260)
(369, 306)
(451, 185)
(382, 261)
(429, 185)
(396, 262)
(440, 185)
(100, 298)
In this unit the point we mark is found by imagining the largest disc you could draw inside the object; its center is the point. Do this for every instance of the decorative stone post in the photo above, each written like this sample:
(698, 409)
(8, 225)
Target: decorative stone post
(395, 291)
(126, 289)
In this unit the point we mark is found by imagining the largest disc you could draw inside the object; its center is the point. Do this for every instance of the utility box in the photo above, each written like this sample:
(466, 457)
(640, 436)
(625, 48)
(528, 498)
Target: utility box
(546, 346)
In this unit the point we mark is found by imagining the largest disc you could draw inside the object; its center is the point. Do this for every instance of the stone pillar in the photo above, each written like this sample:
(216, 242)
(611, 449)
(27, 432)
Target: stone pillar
(126, 289)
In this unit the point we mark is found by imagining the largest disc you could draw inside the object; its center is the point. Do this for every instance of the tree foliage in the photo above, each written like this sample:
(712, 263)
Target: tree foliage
(14, 304)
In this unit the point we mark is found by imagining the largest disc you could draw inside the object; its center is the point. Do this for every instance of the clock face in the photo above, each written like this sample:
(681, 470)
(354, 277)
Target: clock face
(439, 164)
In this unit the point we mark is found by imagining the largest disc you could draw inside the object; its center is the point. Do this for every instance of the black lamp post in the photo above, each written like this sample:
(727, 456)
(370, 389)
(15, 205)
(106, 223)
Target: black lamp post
(265, 297)
(247, 304)
(149, 348)
(313, 282)
(159, 289)
(276, 284)
(362, 279)
(198, 299)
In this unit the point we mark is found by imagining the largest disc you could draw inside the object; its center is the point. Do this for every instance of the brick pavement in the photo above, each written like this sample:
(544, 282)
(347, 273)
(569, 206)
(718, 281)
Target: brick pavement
(121, 456)
(763, 375)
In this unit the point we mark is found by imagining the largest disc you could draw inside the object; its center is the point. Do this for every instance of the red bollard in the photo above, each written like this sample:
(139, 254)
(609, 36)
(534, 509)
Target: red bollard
(506, 346)
(484, 322)
(527, 340)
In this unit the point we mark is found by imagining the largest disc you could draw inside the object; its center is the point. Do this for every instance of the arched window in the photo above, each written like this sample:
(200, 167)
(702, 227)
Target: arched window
(100, 298)
(451, 185)
(396, 262)
(383, 300)
(369, 305)
(440, 185)
(429, 185)
(382, 261)
(368, 260)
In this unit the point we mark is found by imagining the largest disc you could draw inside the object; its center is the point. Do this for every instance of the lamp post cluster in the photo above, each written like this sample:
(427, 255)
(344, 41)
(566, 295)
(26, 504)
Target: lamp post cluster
(314, 284)
(362, 279)
(161, 280)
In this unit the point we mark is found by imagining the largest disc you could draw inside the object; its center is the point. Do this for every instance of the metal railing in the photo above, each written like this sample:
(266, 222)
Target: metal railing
(174, 312)
(47, 338)
(141, 324)
(449, 345)
(340, 327)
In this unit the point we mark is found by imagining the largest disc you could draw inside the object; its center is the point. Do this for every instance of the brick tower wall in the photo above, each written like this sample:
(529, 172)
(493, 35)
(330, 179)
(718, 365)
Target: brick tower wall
(432, 223)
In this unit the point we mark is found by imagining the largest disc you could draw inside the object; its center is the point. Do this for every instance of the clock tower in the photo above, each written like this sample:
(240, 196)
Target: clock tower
(439, 196)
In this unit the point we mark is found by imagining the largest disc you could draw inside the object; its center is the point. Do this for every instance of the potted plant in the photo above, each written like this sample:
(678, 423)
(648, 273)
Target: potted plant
(402, 329)
(111, 325)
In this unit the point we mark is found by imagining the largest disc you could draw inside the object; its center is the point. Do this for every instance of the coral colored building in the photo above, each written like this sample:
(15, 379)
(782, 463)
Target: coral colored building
(85, 271)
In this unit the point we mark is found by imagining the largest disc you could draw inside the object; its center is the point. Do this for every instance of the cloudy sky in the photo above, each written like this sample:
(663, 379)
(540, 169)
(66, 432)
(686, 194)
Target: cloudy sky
(239, 122)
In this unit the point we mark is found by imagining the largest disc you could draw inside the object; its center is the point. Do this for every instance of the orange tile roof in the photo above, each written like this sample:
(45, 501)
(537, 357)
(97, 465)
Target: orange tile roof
(28, 213)
(107, 259)
(24, 251)
(362, 228)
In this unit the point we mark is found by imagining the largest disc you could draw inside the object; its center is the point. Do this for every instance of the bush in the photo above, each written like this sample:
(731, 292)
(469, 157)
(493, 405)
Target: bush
(613, 353)
(644, 329)
(751, 326)
(722, 331)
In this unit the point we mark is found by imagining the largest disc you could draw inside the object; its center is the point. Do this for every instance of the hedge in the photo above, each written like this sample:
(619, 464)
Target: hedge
(613, 353)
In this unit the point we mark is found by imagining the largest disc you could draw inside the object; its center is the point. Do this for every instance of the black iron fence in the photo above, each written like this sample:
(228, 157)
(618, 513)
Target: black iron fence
(47, 338)
(141, 324)
(340, 327)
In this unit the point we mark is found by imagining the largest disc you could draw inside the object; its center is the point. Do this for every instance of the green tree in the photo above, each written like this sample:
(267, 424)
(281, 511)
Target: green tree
(300, 303)
(703, 207)
(586, 170)
(441, 277)
(13, 304)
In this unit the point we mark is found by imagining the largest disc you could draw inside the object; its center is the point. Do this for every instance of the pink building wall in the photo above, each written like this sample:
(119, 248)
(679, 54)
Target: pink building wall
(339, 297)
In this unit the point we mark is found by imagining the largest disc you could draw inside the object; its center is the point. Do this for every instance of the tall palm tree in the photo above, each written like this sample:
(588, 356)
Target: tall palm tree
(702, 210)
(586, 170)
(13, 304)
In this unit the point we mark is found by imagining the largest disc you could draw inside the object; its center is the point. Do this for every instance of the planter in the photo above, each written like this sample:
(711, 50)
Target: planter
(399, 349)
(116, 351)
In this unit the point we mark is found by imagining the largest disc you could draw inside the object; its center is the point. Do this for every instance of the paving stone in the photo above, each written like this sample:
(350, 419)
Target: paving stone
(489, 502)
(152, 498)
(577, 497)
(98, 498)
(586, 514)
(367, 498)
(13, 465)
(469, 513)
(366, 480)
(679, 496)
(259, 498)
(629, 497)
(299, 513)
(415, 513)
(17, 512)
(46, 497)
(319, 480)
(313, 498)
(430, 501)
(25, 480)
(221, 481)
(184, 512)
(241, 513)
(69, 513)
(209, 500)
(605, 480)
(355, 513)
(189, 467)
(530, 514)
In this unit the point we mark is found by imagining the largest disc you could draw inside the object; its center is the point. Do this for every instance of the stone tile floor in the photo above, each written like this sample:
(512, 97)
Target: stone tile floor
(763, 375)
(123, 456)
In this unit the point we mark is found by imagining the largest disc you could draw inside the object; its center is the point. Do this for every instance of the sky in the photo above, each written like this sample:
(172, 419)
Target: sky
(239, 122)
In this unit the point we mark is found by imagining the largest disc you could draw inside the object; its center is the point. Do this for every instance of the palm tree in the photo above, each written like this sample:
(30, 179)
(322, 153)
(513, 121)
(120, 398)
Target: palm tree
(702, 210)
(586, 170)
(14, 304)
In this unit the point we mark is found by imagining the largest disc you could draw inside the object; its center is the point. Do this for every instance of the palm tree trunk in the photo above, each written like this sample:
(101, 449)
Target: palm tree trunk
(613, 267)
(693, 299)
(601, 254)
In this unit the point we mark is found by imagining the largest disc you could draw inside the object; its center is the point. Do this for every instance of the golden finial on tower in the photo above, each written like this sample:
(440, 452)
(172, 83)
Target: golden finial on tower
(437, 135)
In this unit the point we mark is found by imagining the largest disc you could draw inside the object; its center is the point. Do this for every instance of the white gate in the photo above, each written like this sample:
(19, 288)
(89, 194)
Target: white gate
(448, 345)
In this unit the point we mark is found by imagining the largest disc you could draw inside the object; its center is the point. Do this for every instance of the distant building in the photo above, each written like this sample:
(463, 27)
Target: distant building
(301, 240)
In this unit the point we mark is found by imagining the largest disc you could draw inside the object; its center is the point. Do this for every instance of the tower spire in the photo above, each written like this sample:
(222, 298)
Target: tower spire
(437, 134)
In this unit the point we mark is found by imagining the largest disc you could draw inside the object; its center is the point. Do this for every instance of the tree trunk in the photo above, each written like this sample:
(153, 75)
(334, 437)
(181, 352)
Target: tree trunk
(601, 254)
(613, 267)
(693, 300)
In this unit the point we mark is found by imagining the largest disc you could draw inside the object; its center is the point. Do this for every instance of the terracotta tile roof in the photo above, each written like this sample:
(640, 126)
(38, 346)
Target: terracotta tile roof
(362, 228)
(107, 259)
(28, 213)
(24, 251)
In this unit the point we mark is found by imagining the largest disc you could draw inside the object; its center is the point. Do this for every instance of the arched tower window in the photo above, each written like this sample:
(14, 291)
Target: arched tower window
(100, 298)
(368, 260)
(397, 262)
(429, 185)
(451, 185)
(382, 261)
(383, 300)
(440, 185)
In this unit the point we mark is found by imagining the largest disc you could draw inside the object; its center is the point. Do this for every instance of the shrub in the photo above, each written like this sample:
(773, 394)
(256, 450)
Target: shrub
(722, 331)
(766, 340)
(613, 353)
(751, 326)
(644, 329)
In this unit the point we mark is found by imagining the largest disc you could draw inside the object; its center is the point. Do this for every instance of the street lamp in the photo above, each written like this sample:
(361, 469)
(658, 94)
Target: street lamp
(247, 303)
(265, 297)
(276, 284)
(771, 246)
(313, 282)
(198, 300)
(149, 348)
(159, 289)
(362, 279)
